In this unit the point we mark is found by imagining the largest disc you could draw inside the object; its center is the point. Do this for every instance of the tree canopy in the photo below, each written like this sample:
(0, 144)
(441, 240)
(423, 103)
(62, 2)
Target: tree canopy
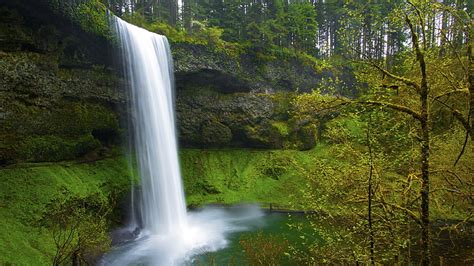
(321, 28)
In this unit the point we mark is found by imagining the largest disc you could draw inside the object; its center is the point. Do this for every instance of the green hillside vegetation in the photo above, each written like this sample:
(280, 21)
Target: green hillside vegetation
(31, 194)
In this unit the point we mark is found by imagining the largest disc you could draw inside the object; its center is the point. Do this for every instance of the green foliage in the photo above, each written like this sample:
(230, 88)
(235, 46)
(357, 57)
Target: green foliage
(202, 34)
(282, 128)
(53, 148)
(282, 134)
(276, 165)
(234, 176)
(263, 249)
(90, 15)
(330, 179)
(302, 26)
(79, 227)
(375, 119)
(284, 31)
(35, 192)
(345, 129)
(395, 143)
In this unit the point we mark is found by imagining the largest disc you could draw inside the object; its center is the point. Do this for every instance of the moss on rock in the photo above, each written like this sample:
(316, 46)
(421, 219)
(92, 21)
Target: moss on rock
(65, 131)
(307, 136)
(271, 134)
(206, 116)
(286, 73)
(31, 190)
(52, 113)
(52, 148)
(231, 176)
(214, 132)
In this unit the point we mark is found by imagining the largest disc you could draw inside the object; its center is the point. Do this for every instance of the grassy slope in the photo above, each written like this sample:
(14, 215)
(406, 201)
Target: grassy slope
(25, 192)
(240, 176)
(210, 176)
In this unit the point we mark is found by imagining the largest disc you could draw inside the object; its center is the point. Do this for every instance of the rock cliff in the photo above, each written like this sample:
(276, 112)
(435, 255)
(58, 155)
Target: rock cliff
(62, 95)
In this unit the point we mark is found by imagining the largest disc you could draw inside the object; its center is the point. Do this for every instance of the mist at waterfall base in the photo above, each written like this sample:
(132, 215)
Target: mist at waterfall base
(207, 231)
(168, 235)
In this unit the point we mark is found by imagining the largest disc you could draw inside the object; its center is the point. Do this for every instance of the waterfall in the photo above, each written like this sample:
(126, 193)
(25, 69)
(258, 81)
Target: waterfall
(149, 71)
(168, 235)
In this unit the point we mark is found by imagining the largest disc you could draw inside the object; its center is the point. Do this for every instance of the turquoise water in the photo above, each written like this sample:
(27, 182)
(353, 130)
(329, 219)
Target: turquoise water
(264, 231)
(273, 225)
(451, 249)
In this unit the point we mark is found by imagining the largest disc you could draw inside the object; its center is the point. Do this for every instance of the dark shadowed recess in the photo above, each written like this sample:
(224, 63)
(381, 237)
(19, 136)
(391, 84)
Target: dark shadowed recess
(80, 49)
(220, 81)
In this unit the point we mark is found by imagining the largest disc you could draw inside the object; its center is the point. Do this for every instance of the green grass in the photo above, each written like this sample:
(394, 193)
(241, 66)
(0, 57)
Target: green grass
(210, 176)
(282, 128)
(25, 192)
(243, 176)
(225, 176)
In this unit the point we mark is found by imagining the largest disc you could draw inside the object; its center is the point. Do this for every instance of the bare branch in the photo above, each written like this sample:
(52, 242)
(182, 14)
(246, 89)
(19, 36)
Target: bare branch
(419, 55)
(463, 148)
(458, 115)
(458, 56)
(421, 21)
(396, 107)
(407, 211)
(404, 80)
(393, 106)
(449, 93)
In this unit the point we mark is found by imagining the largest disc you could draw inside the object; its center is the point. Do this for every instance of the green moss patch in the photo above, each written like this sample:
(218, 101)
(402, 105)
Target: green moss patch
(90, 15)
(53, 148)
(72, 130)
(244, 176)
(27, 191)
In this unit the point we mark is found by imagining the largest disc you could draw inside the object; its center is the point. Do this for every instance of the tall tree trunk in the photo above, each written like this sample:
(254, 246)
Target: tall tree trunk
(425, 147)
(444, 28)
(188, 14)
(425, 177)
(369, 200)
(173, 12)
(471, 81)
(389, 52)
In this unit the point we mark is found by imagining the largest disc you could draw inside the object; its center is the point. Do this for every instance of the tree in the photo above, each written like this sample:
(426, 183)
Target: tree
(302, 26)
(78, 227)
(415, 19)
(419, 86)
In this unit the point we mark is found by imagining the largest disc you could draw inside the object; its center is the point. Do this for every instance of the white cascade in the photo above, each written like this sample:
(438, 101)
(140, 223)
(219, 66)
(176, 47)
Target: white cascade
(149, 70)
(169, 235)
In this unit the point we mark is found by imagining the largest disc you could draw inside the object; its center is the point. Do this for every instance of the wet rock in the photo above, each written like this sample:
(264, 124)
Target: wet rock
(207, 118)
(201, 65)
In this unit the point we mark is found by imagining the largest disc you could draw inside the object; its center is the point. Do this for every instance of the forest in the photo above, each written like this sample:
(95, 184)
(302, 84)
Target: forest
(318, 28)
(240, 132)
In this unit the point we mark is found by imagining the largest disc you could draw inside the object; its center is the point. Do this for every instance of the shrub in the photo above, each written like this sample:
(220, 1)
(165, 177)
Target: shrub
(53, 148)
(78, 227)
(261, 249)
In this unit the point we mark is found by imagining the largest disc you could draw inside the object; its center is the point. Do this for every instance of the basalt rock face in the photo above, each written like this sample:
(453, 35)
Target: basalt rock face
(229, 101)
(200, 65)
(62, 96)
(207, 118)
(58, 97)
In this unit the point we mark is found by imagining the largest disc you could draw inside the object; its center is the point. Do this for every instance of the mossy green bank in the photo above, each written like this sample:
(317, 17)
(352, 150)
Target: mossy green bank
(27, 192)
(210, 176)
